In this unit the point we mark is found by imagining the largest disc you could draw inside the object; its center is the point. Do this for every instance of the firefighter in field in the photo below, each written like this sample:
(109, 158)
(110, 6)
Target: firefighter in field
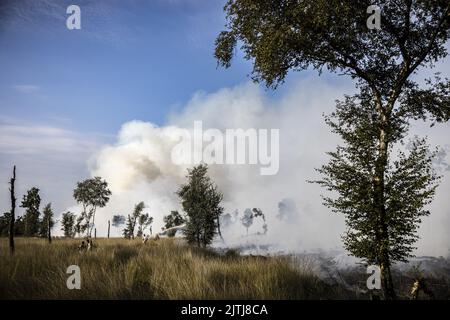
(420, 285)
(82, 247)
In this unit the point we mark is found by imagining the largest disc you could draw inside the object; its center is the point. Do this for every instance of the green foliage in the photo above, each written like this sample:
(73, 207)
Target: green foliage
(47, 214)
(68, 224)
(144, 222)
(91, 194)
(174, 219)
(410, 184)
(137, 217)
(128, 231)
(200, 200)
(118, 220)
(19, 225)
(31, 202)
(4, 224)
(283, 35)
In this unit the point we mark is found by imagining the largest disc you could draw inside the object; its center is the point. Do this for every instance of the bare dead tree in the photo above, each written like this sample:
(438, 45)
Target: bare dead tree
(13, 211)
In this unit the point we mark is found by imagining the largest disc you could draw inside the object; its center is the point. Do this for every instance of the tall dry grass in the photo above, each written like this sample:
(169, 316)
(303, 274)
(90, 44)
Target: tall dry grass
(164, 269)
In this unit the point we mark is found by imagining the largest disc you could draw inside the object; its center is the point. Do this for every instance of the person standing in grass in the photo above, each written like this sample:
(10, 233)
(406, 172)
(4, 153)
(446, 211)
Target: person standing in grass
(90, 244)
(82, 247)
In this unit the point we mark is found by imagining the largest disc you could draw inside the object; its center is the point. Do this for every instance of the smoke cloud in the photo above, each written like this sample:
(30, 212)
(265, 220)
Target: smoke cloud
(138, 167)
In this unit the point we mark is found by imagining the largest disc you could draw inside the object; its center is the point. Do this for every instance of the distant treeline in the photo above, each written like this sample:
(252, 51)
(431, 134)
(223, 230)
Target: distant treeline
(33, 223)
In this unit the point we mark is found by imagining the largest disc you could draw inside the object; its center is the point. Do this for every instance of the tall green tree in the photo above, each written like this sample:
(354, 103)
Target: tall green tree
(144, 221)
(91, 194)
(134, 219)
(409, 185)
(31, 202)
(284, 35)
(128, 231)
(200, 200)
(47, 221)
(68, 224)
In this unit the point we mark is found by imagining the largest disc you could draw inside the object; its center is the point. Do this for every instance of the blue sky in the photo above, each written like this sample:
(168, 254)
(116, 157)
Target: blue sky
(65, 93)
(130, 60)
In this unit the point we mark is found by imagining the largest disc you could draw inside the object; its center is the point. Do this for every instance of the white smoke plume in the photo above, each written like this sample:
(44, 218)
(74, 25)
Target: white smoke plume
(138, 167)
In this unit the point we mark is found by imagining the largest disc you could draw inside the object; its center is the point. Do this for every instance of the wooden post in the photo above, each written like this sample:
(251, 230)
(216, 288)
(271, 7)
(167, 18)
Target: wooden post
(95, 233)
(109, 226)
(13, 212)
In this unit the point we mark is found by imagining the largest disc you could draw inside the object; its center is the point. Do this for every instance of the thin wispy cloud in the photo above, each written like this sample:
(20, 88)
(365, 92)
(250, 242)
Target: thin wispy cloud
(26, 88)
(26, 138)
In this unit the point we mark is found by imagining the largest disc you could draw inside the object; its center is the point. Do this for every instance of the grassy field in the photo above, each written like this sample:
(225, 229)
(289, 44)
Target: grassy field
(164, 269)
